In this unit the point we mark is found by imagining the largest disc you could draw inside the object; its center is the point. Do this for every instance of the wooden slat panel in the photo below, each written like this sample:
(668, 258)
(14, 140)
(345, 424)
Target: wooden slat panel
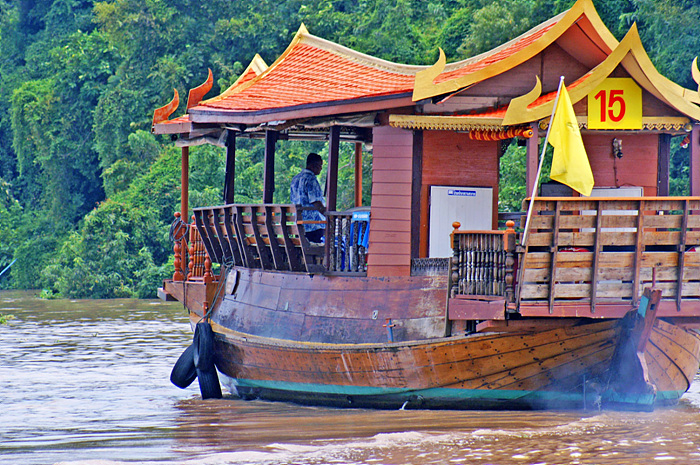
(389, 212)
(392, 164)
(618, 273)
(396, 201)
(388, 260)
(391, 177)
(615, 290)
(389, 225)
(391, 189)
(290, 230)
(217, 219)
(243, 231)
(610, 259)
(606, 289)
(386, 237)
(273, 231)
(232, 236)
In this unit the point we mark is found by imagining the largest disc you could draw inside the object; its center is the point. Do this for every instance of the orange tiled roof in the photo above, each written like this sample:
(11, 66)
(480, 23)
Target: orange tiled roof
(248, 76)
(314, 71)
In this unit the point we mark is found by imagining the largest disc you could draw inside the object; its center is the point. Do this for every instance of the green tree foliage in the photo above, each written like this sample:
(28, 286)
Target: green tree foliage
(87, 193)
(11, 214)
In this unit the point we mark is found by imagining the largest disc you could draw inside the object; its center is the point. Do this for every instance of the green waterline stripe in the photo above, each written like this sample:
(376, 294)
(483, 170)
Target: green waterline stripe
(453, 393)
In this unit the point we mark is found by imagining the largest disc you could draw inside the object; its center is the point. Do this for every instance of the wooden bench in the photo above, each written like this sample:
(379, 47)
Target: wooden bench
(596, 251)
(267, 236)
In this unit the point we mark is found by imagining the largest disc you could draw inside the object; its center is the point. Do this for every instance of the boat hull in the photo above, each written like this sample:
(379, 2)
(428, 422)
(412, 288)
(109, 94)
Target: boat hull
(564, 368)
(326, 341)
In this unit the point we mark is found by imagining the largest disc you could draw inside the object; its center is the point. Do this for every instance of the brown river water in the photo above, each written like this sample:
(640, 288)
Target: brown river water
(86, 383)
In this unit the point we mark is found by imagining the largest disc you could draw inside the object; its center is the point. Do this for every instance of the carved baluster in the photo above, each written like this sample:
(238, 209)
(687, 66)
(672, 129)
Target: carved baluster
(501, 265)
(479, 265)
(192, 231)
(208, 277)
(465, 257)
(177, 263)
(455, 262)
(509, 245)
(467, 263)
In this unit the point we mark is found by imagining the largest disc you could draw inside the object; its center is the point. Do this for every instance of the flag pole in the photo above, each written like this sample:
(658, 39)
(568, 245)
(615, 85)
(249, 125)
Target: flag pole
(539, 168)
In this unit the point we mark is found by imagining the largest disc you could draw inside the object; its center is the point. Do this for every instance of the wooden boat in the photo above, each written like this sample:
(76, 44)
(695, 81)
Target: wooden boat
(408, 306)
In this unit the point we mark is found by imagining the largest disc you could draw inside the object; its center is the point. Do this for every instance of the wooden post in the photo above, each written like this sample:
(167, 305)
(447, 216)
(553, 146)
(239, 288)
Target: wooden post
(662, 183)
(184, 204)
(184, 182)
(230, 178)
(453, 277)
(531, 161)
(695, 160)
(332, 177)
(358, 174)
(554, 250)
(269, 173)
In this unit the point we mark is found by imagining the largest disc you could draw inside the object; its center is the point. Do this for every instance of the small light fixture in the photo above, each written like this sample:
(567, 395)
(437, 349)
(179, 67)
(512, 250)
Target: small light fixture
(617, 148)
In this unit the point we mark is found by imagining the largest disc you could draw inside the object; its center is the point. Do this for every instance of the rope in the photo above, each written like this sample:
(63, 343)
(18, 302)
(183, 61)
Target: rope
(227, 266)
(178, 230)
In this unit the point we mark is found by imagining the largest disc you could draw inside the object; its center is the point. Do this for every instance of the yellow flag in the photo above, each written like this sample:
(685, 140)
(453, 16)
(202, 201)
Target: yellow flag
(570, 163)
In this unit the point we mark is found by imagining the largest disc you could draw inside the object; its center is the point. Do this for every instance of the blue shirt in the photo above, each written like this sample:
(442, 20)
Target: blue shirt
(305, 190)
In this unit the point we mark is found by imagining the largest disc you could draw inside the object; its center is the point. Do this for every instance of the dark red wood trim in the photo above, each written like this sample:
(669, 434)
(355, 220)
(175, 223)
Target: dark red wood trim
(533, 325)
(662, 183)
(358, 174)
(666, 308)
(332, 177)
(532, 158)
(230, 177)
(415, 192)
(185, 184)
(465, 309)
(206, 115)
(583, 309)
(269, 173)
(695, 160)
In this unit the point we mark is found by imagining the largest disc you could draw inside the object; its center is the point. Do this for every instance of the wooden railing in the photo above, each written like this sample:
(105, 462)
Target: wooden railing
(191, 261)
(483, 261)
(266, 236)
(346, 242)
(199, 263)
(271, 237)
(590, 254)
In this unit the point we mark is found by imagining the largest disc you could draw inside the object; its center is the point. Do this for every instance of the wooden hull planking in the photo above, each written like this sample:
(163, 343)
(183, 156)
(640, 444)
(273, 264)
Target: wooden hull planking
(318, 340)
(562, 368)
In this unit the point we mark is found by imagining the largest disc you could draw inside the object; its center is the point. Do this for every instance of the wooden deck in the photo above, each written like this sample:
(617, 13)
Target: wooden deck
(587, 257)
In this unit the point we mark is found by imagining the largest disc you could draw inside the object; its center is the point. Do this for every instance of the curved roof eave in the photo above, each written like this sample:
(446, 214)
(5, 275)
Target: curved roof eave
(373, 103)
(631, 55)
(426, 87)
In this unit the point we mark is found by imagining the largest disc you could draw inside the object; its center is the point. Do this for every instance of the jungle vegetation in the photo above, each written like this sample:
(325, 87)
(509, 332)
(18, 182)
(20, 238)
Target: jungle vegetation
(87, 193)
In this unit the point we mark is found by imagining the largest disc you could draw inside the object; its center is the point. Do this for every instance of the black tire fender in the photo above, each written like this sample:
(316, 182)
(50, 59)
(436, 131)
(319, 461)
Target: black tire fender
(184, 372)
(209, 383)
(203, 343)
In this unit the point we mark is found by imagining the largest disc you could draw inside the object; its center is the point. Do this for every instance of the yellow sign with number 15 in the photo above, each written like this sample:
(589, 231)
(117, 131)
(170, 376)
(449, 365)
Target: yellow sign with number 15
(615, 104)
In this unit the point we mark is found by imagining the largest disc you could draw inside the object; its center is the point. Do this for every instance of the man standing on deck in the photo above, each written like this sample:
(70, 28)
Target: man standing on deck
(306, 191)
